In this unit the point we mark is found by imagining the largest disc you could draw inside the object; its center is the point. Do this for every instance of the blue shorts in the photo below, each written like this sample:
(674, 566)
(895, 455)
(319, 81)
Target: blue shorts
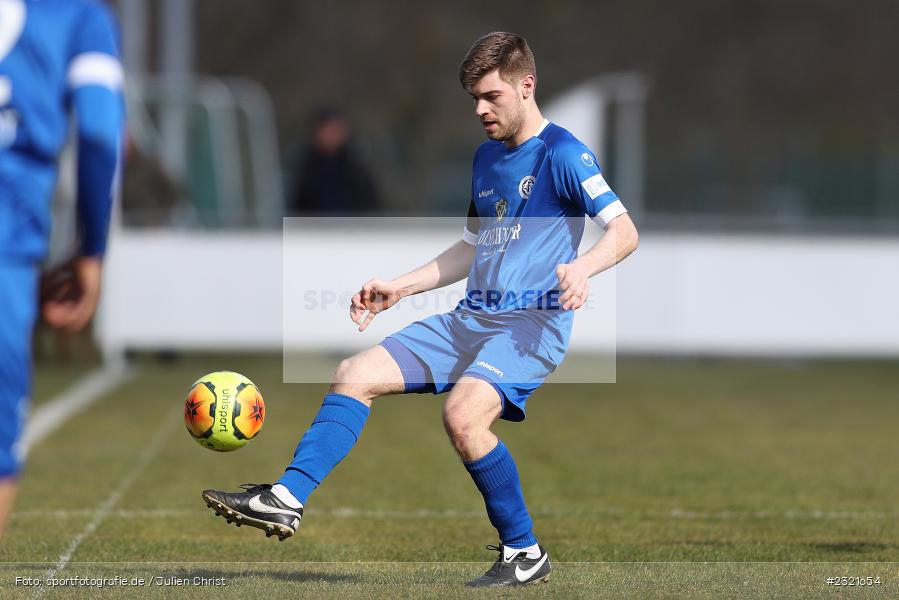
(18, 308)
(435, 352)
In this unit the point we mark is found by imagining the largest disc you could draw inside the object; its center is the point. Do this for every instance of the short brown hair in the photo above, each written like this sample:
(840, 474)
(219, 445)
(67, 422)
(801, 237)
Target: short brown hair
(501, 50)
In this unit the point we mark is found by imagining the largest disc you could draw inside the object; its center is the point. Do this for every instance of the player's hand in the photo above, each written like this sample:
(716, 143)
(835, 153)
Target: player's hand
(375, 296)
(573, 285)
(70, 293)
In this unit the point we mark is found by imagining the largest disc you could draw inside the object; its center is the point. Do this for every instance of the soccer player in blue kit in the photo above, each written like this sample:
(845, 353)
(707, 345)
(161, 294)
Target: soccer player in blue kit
(532, 184)
(57, 57)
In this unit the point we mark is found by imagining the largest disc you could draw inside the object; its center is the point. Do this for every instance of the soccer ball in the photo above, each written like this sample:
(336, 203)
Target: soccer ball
(223, 411)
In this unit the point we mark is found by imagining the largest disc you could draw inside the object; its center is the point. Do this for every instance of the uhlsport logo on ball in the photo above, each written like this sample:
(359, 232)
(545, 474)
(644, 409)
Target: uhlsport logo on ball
(223, 411)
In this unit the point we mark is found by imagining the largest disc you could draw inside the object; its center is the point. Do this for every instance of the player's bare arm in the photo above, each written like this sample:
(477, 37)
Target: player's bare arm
(377, 295)
(614, 246)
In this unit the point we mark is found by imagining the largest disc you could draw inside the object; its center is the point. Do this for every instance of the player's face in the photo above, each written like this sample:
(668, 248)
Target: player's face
(499, 105)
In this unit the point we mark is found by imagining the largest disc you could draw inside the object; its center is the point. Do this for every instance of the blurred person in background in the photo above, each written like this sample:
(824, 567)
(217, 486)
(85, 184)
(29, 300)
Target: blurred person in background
(332, 177)
(56, 57)
(499, 344)
(150, 193)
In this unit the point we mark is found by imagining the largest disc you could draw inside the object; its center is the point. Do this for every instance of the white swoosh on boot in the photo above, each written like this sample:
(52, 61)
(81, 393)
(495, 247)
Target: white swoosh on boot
(523, 575)
(259, 506)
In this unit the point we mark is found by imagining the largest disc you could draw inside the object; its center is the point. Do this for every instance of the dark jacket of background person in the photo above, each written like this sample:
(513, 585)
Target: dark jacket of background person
(332, 178)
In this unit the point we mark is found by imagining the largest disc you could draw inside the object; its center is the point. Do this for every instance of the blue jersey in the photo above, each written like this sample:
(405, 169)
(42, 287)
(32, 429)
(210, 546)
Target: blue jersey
(57, 58)
(526, 217)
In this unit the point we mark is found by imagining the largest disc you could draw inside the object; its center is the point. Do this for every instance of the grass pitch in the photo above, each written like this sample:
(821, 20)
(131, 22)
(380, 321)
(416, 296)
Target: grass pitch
(685, 479)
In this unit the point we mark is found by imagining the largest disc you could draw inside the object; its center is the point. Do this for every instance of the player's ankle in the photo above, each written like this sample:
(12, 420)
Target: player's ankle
(283, 494)
(532, 551)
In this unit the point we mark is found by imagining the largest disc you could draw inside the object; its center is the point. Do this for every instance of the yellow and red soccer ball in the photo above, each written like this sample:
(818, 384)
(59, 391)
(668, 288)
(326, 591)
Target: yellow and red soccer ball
(223, 411)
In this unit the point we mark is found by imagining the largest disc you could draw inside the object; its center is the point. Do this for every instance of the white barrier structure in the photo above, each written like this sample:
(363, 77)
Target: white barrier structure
(678, 294)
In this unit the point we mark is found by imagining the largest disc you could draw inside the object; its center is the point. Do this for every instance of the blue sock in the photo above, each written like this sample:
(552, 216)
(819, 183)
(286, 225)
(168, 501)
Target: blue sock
(333, 434)
(497, 479)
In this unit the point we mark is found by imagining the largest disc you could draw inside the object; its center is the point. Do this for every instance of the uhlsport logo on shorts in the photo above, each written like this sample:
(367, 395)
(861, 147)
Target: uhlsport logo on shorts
(489, 367)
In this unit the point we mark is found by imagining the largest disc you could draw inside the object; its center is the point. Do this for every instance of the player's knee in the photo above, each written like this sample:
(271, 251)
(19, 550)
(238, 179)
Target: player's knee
(460, 427)
(345, 370)
(350, 379)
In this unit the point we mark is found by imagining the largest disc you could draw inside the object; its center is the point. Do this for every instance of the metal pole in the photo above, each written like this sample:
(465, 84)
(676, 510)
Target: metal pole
(176, 64)
(629, 91)
(135, 29)
(630, 176)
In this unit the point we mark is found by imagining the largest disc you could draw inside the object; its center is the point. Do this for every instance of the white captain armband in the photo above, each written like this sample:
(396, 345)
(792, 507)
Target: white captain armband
(607, 214)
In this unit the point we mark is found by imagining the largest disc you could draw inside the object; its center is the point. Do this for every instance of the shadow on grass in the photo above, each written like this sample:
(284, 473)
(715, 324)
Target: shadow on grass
(289, 576)
(851, 547)
(701, 543)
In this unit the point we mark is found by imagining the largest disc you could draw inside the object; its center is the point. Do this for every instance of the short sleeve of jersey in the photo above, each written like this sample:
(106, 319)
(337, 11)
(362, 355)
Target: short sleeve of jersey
(577, 177)
(94, 58)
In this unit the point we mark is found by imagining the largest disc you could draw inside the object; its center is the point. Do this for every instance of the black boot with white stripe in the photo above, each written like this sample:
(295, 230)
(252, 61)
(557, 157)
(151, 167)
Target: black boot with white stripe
(257, 507)
(514, 568)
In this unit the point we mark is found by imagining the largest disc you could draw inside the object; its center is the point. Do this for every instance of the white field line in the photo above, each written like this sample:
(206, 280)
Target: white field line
(132, 473)
(347, 512)
(50, 416)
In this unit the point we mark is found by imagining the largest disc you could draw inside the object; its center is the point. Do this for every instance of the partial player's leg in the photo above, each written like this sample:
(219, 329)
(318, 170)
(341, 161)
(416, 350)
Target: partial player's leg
(339, 422)
(18, 309)
(470, 410)
(278, 508)
(8, 488)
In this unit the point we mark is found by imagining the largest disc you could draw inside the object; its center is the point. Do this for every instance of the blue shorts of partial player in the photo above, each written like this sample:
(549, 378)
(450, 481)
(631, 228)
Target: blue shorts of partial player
(433, 354)
(18, 308)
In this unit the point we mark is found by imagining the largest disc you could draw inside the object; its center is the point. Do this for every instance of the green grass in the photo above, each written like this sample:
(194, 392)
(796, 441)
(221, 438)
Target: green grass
(694, 479)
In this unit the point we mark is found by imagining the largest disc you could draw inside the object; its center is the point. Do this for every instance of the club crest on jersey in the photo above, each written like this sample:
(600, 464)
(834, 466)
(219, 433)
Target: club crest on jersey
(501, 206)
(526, 185)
